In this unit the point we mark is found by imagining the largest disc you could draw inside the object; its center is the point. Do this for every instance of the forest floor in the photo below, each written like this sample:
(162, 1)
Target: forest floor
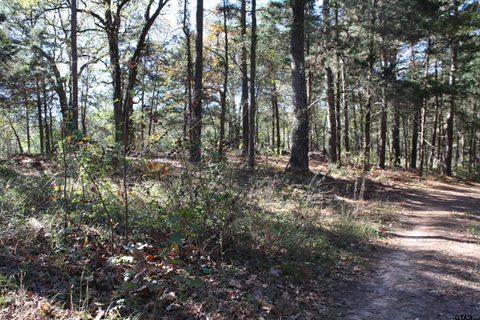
(429, 268)
(335, 245)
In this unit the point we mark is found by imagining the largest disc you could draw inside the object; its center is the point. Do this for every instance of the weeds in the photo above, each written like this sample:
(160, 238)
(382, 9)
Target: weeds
(474, 230)
(185, 223)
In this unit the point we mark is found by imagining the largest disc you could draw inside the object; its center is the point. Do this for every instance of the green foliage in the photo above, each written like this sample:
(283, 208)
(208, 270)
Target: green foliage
(474, 230)
(7, 282)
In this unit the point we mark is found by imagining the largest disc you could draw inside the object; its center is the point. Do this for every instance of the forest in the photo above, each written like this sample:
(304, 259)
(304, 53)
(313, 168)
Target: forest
(239, 159)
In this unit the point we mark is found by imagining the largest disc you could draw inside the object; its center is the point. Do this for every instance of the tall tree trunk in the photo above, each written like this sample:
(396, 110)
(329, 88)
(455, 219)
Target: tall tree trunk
(435, 122)
(383, 131)
(74, 56)
(188, 78)
(346, 126)
(416, 115)
(196, 126)
(27, 117)
(472, 144)
(273, 100)
(277, 119)
(252, 111)
(441, 136)
(338, 86)
(84, 106)
(45, 116)
(423, 120)
(368, 107)
(225, 84)
(405, 140)
(396, 137)
(244, 98)
(332, 139)
(415, 128)
(447, 166)
(52, 140)
(332, 117)
(387, 77)
(39, 117)
(355, 123)
(143, 111)
(299, 156)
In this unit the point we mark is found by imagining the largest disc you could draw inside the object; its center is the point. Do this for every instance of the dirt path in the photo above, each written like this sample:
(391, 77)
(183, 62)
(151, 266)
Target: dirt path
(430, 268)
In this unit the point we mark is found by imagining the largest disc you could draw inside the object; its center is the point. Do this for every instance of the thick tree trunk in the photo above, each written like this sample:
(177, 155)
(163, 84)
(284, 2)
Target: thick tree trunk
(332, 120)
(117, 86)
(299, 156)
(196, 126)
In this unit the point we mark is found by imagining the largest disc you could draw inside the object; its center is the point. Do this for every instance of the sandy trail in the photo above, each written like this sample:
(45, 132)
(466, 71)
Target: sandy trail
(431, 267)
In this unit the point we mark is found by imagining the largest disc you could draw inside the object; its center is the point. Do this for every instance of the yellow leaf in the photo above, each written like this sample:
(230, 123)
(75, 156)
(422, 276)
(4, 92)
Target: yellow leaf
(45, 307)
(154, 165)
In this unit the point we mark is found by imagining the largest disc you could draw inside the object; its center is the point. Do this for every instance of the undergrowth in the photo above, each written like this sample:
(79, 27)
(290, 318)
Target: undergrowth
(190, 227)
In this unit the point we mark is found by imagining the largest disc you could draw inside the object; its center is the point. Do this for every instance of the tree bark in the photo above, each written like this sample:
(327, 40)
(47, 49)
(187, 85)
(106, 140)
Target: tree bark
(383, 131)
(435, 122)
(368, 107)
(196, 126)
(39, 117)
(27, 116)
(45, 116)
(447, 166)
(252, 111)
(74, 66)
(415, 128)
(225, 84)
(299, 156)
(396, 138)
(338, 92)
(188, 78)
(244, 98)
(332, 113)
(346, 118)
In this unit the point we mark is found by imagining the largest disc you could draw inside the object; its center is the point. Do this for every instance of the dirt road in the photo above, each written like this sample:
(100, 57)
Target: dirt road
(430, 268)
